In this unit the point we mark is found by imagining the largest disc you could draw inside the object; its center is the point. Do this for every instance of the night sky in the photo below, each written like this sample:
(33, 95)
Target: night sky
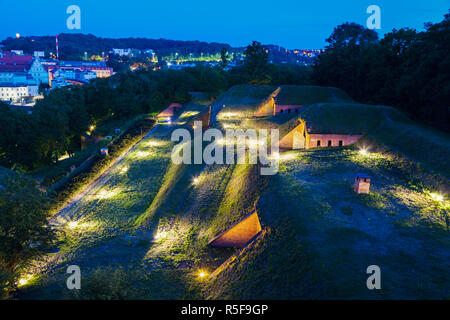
(289, 23)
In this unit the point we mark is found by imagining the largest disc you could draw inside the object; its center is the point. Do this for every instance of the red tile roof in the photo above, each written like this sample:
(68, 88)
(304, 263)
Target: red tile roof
(10, 62)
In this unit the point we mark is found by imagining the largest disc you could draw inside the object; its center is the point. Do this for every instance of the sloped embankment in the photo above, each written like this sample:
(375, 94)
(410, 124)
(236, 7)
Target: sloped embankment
(194, 204)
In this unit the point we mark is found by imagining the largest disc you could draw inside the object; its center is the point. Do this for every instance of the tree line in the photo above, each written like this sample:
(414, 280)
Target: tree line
(405, 69)
(57, 122)
(74, 45)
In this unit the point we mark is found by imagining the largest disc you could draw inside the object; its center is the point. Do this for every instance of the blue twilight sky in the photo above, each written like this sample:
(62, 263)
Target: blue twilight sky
(289, 23)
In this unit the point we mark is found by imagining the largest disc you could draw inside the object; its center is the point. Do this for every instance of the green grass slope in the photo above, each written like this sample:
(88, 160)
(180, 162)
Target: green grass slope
(245, 99)
(321, 236)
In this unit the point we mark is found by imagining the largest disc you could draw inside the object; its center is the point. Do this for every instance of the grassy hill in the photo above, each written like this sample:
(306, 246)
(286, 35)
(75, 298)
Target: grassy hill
(245, 99)
(154, 218)
(321, 236)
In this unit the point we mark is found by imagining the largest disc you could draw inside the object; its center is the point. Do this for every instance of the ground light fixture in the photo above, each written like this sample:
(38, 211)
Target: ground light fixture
(202, 274)
(195, 180)
(160, 235)
(23, 281)
(72, 224)
(437, 196)
(363, 152)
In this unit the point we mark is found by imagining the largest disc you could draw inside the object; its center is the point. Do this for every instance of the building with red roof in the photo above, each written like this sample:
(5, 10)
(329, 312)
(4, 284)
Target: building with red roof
(21, 69)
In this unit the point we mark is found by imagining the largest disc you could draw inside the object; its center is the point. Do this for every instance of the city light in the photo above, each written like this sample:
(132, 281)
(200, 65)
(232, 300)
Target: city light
(195, 180)
(124, 170)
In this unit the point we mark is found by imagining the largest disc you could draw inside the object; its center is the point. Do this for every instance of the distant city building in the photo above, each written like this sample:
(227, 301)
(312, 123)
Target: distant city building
(19, 52)
(65, 77)
(127, 52)
(21, 69)
(39, 54)
(17, 92)
(76, 72)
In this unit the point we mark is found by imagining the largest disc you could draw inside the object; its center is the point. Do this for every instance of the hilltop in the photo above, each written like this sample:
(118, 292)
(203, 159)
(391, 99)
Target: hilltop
(243, 101)
(75, 44)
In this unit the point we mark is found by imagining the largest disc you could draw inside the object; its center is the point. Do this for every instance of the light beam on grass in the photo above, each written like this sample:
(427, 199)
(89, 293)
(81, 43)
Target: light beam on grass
(437, 196)
(104, 194)
(275, 156)
(160, 235)
(72, 224)
(287, 156)
(24, 280)
(363, 152)
(142, 154)
(227, 115)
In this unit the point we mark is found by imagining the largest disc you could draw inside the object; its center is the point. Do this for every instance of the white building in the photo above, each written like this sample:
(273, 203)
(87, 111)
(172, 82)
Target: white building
(126, 52)
(15, 92)
(39, 54)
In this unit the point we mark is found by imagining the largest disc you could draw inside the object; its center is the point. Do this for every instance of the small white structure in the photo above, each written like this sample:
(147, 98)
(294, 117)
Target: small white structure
(362, 183)
(39, 54)
(104, 151)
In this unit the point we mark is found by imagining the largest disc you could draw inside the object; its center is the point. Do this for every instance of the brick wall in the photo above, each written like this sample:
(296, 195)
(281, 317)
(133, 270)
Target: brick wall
(334, 138)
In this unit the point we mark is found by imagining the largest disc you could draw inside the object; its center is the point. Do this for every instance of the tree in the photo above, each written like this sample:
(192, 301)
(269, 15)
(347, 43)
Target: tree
(406, 69)
(256, 64)
(351, 34)
(24, 229)
(224, 57)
